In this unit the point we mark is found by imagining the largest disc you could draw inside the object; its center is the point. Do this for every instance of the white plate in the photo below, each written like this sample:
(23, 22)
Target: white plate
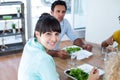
(86, 68)
(73, 46)
(66, 72)
(81, 54)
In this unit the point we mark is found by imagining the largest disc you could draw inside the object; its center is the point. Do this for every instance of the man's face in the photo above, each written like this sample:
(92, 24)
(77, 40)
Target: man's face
(59, 12)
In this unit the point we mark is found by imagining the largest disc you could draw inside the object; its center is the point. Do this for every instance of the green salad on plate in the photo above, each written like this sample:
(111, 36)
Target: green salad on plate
(72, 49)
(78, 74)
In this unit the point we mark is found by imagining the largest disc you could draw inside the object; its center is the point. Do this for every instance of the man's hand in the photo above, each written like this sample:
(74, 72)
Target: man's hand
(80, 42)
(87, 47)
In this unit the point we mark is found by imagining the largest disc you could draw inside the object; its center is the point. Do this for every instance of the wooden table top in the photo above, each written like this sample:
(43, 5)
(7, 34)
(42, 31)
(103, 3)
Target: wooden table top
(95, 60)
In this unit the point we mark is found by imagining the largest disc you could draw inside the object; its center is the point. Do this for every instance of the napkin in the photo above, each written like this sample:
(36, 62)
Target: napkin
(82, 54)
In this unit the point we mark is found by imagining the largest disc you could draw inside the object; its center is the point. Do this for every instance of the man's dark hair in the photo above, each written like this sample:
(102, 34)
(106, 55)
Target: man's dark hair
(119, 18)
(58, 2)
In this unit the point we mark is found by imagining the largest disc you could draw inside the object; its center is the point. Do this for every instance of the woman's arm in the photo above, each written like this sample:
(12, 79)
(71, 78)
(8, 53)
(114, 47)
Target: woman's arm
(108, 42)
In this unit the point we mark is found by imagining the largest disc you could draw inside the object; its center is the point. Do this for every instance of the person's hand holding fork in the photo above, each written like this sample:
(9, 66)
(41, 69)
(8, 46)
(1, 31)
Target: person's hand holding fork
(94, 74)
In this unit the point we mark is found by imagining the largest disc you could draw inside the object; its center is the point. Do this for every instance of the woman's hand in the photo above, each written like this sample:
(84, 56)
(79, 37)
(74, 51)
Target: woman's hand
(94, 74)
(58, 53)
(62, 54)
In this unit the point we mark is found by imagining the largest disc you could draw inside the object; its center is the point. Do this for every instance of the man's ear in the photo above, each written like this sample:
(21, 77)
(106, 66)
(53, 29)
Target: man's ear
(51, 12)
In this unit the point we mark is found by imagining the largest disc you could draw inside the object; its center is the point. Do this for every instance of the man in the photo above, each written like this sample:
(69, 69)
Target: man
(58, 10)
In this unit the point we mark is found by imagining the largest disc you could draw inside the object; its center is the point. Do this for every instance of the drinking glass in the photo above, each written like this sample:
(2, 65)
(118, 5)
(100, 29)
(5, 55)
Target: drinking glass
(108, 52)
(104, 53)
(112, 51)
(73, 60)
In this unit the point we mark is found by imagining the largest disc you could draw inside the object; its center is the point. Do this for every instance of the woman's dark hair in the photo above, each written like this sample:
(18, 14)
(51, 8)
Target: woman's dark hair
(44, 15)
(58, 2)
(47, 23)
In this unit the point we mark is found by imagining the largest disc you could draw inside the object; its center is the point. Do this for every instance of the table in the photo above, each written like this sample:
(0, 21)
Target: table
(95, 60)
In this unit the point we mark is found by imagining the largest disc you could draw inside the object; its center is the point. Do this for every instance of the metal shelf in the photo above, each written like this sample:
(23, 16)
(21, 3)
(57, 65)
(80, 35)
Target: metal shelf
(13, 16)
(11, 48)
(7, 33)
(14, 46)
(11, 3)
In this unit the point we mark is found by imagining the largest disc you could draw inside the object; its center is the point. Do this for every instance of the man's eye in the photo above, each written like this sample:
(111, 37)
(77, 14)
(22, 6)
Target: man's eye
(63, 11)
(58, 11)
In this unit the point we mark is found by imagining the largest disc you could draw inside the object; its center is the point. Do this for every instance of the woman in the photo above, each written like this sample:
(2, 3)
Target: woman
(112, 68)
(35, 63)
